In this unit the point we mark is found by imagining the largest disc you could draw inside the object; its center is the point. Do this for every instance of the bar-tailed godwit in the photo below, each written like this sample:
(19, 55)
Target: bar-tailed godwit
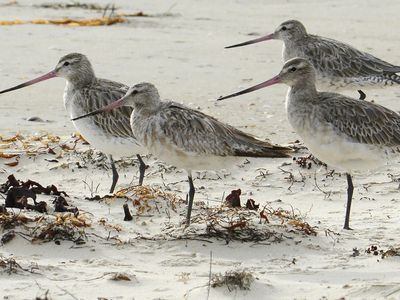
(345, 133)
(84, 92)
(338, 65)
(187, 138)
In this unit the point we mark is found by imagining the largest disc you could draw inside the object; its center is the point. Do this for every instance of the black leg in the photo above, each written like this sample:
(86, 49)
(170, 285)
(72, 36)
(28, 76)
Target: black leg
(350, 189)
(115, 175)
(142, 168)
(362, 95)
(191, 197)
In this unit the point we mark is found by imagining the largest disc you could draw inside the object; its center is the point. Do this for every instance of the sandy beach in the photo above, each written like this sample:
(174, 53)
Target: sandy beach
(302, 253)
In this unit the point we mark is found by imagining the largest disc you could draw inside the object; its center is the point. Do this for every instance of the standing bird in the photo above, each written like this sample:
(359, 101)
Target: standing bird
(345, 133)
(184, 137)
(338, 66)
(83, 93)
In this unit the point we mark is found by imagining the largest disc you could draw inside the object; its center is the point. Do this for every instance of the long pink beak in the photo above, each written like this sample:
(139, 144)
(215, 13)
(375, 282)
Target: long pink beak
(107, 108)
(264, 84)
(261, 39)
(49, 75)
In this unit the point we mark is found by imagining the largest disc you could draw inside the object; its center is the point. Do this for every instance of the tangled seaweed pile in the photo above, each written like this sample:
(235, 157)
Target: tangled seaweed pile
(245, 224)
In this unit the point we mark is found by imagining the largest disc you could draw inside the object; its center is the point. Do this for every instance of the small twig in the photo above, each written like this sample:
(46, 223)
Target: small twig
(326, 194)
(68, 292)
(209, 277)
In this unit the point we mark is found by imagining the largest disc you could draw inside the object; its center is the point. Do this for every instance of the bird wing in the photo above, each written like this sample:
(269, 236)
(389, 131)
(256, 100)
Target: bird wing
(341, 59)
(192, 131)
(100, 94)
(362, 121)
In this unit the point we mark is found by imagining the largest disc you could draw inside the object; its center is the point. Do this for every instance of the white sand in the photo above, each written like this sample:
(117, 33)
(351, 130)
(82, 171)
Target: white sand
(183, 55)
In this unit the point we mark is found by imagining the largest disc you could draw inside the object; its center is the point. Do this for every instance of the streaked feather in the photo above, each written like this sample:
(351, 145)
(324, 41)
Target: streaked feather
(189, 130)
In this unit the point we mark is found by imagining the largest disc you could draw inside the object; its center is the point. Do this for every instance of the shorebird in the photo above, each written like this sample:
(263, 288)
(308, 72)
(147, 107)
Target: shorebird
(338, 66)
(83, 93)
(186, 138)
(345, 133)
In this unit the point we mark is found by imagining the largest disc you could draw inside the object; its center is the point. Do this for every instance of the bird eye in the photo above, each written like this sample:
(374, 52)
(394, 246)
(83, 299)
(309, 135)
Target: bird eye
(284, 28)
(292, 69)
(66, 63)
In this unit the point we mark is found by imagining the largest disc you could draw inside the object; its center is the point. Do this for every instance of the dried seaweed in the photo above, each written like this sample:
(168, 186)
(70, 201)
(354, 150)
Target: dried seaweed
(233, 199)
(392, 251)
(105, 21)
(233, 280)
(72, 4)
(31, 185)
(306, 162)
(7, 237)
(17, 197)
(241, 224)
(10, 266)
(38, 144)
(116, 276)
(251, 204)
(145, 199)
(10, 220)
(61, 205)
(64, 227)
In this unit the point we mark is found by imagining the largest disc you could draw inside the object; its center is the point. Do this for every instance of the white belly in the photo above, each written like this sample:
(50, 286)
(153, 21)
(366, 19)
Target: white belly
(189, 160)
(105, 142)
(101, 140)
(340, 153)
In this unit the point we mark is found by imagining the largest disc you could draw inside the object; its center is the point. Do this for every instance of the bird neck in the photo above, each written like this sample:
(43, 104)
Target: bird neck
(148, 108)
(82, 79)
(294, 40)
(304, 90)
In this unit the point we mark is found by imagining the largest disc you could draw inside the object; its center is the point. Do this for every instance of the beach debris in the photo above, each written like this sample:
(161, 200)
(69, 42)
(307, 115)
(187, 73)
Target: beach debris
(65, 226)
(356, 252)
(117, 276)
(32, 186)
(306, 162)
(10, 220)
(233, 280)
(105, 21)
(233, 199)
(104, 222)
(9, 265)
(71, 4)
(38, 144)
(391, 251)
(13, 163)
(36, 119)
(17, 197)
(7, 237)
(148, 199)
(251, 204)
(127, 213)
(61, 205)
(373, 249)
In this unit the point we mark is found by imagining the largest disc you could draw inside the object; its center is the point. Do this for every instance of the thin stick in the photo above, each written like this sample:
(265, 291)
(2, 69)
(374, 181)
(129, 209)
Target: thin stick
(209, 277)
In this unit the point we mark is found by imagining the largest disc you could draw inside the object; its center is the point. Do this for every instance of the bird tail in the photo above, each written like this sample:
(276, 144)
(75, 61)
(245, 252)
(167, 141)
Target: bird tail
(393, 78)
(257, 148)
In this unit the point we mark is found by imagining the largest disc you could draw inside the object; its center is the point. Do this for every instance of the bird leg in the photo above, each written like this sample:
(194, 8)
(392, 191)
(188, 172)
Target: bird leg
(191, 197)
(115, 175)
(350, 189)
(362, 95)
(142, 168)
